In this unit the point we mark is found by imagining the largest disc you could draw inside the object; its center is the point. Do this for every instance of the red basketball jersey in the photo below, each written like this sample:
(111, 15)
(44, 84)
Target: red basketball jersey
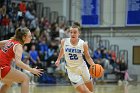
(7, 53)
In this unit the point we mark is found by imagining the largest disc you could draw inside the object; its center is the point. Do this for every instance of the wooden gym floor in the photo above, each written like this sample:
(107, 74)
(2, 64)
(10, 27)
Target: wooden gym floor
(102, 88)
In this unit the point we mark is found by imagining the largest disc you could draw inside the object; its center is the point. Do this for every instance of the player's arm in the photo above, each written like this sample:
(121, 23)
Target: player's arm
(18, 55)
(2, 43)
(87, 55)
(61, 53)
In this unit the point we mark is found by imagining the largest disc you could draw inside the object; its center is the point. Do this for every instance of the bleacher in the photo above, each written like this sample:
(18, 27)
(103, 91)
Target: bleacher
(94, 41)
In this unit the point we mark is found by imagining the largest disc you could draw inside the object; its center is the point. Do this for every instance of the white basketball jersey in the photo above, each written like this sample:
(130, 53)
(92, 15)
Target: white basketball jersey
(73, 54)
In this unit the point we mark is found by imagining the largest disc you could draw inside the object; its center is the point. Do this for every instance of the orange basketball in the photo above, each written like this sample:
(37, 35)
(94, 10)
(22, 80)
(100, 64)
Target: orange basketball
(96, 71)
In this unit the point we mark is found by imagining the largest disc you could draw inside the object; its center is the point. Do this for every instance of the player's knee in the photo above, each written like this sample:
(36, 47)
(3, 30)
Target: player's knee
(84, 91)
(7, 85)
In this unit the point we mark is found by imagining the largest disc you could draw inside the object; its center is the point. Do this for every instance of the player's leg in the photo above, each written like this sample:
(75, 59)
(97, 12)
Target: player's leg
(83, 89)
(5, 87)
(5, 84)
(89, 85)
(87, 78)
(78, 82)
(19, 77)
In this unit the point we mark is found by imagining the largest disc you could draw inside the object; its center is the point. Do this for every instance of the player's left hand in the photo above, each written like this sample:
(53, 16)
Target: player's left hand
(37, 71)
(57, 63)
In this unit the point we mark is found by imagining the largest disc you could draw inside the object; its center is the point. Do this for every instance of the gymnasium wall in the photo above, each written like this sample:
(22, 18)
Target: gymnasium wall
(127, 43)
(125, 40)
(112, 14)
(61, 6)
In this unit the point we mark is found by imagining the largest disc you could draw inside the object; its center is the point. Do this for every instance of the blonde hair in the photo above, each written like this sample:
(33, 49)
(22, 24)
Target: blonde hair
(75, 26)
(20, 33)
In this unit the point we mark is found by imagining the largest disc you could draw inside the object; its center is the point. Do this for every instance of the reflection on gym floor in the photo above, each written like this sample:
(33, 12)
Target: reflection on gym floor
(104, 88)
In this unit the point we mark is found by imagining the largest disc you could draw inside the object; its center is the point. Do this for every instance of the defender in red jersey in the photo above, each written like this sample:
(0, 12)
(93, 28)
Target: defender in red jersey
(12, 49)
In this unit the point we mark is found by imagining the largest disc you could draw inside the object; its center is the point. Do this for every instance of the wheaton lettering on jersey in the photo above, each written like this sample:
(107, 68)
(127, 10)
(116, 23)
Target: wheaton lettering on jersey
(72, 50)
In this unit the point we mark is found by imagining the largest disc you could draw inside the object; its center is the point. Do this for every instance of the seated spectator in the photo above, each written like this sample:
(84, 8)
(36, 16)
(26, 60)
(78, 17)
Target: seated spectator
(25, 55)
(123, 68)
(116, 68)
(66, 32)
(105, 61)
(122, 71)
(3, 10)
(34, 23)
(19, 15)
(43, 49)
(5, 21)
(54, 31)
(61, 31)
(25, 59)
(112, 56)
(34, 57)
(22, 7)
(97, 56)
(11, 29)
(52, 54)
(29, 16)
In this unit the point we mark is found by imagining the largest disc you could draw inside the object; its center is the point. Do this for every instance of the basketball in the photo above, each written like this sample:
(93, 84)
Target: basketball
(96, 71)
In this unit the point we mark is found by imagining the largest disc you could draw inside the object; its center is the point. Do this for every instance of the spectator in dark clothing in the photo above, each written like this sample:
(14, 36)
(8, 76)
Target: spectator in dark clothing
(123, 68)
(111, 56)
(1, 2)
(52, 53)
(54, 31)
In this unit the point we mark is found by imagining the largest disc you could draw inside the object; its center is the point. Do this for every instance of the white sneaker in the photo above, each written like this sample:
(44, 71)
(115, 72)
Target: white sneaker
(119, 82)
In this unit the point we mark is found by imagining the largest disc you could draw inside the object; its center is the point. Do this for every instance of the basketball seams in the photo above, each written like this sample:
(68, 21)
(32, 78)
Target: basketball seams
(92, 70)
(100, 70)
(99, 73)
(96, 71)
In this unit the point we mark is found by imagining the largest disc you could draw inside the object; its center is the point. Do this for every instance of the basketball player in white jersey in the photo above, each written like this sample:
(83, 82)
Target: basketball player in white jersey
(73, 49)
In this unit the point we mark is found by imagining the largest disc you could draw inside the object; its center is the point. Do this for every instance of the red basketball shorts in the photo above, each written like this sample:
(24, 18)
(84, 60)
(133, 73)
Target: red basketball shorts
(4, 71)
